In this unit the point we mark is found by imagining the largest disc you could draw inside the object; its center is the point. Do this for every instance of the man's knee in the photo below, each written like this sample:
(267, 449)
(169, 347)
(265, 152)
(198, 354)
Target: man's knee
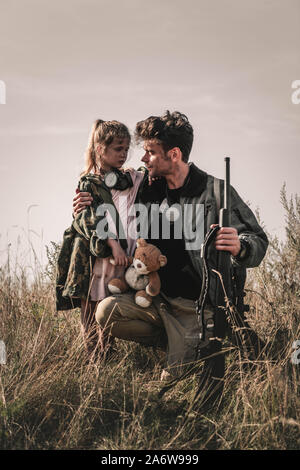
(104, 311)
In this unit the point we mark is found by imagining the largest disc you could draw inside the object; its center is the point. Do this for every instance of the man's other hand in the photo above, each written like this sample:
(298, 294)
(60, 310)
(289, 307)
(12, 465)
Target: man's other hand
(81, 201)
(227, 239)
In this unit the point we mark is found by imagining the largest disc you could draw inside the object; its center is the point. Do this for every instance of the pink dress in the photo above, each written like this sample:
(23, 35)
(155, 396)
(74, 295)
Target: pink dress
(103, 270)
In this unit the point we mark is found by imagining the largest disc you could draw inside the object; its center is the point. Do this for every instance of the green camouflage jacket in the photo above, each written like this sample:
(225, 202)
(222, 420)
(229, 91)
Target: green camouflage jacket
(80, 247)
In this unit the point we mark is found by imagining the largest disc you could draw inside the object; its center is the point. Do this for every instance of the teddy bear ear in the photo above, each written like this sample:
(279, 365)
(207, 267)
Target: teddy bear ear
(162, 260)
(141, 242)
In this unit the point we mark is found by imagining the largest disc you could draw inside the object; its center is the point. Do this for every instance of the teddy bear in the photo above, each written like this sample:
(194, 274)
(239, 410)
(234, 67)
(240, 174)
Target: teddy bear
(142, 274)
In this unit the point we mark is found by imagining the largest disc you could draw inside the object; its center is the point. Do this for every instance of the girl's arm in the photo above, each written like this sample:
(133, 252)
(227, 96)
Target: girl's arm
(119, 255)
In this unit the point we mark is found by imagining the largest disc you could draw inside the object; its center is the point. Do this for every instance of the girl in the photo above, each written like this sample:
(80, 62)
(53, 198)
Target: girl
(84, 262)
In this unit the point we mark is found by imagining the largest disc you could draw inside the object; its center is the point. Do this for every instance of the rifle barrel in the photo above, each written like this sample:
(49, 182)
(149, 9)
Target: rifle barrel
(224, 218)
(227, 184)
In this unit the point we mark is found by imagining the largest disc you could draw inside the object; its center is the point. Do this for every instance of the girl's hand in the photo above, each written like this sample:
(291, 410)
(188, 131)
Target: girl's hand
(119, 256)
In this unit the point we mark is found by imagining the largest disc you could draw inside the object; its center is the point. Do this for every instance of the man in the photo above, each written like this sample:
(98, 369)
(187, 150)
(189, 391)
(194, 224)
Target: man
(172, 182)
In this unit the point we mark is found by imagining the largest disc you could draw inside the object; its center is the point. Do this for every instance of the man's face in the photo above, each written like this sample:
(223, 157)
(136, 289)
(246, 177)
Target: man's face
(156, 159)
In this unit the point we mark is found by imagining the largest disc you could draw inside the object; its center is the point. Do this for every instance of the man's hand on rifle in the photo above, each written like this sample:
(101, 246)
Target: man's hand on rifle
(227, 239)
(80, 201)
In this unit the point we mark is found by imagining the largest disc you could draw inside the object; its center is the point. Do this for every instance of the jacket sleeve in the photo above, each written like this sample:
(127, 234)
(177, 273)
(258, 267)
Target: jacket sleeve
(85, 223)
(250, 233)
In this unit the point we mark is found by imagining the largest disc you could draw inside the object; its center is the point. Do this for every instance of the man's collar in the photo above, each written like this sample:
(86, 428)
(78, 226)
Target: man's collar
(195, 183)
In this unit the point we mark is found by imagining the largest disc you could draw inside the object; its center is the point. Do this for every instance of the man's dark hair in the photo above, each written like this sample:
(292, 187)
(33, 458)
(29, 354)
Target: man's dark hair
(170, 130)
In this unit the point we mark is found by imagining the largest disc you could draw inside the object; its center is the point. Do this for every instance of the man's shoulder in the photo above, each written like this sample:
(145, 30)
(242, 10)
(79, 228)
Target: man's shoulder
(202, 175)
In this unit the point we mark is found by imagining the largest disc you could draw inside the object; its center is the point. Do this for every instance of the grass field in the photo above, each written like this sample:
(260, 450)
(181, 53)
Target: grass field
(52, 398)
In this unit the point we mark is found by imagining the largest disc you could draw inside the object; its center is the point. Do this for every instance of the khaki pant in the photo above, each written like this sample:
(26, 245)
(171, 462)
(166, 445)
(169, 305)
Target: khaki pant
(167, 323)
(120, 317)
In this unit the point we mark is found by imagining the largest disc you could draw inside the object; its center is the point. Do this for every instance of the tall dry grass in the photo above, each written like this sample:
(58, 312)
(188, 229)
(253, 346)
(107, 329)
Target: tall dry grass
(52, 398)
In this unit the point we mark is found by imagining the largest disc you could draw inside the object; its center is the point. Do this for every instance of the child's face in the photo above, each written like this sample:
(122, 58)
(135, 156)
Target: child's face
(115, 154)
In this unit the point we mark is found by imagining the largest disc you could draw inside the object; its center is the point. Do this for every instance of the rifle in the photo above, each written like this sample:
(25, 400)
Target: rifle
(240, 333)
(226, 313)
(224, 266)
(228, 316)
(213, 322)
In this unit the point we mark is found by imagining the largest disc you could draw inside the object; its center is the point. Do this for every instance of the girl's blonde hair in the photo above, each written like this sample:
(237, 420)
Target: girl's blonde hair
(102, 132)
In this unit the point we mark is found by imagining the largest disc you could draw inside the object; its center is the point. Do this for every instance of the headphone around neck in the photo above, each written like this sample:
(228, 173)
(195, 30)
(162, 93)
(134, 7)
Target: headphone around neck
(116, 179)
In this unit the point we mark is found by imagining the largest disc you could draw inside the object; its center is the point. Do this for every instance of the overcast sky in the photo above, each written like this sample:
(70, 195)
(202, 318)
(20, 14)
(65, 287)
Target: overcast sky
(227, 64)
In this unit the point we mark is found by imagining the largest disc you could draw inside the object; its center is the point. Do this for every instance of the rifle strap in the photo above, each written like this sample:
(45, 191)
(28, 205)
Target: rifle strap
(205, 316)
(217, 193)
(206, 321)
